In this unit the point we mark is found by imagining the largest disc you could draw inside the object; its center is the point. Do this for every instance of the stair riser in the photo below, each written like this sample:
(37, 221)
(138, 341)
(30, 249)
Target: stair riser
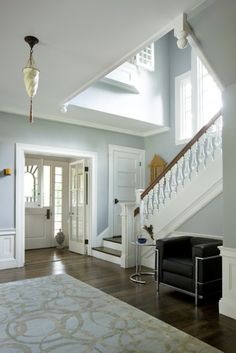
(106, 257)
(112, 245)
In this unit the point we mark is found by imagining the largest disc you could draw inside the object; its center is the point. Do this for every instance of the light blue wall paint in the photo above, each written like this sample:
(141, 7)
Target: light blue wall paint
(215, 25)
(152, 102)
(179, 61)
(7, 185)
(209, 220)
(15, 129)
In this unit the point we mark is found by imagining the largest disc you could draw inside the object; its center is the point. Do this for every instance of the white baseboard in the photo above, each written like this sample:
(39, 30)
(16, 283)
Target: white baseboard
(5, 264)
(227, 305)
(183, 234)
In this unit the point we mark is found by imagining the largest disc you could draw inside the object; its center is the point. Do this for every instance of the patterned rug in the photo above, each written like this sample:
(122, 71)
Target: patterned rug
(59, 314)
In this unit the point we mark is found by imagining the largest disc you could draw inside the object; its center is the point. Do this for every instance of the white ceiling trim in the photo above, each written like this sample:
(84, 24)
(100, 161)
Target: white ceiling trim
(74, 121)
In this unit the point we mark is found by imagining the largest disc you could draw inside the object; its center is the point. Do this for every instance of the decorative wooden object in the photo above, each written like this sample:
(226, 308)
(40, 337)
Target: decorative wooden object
(156, 166)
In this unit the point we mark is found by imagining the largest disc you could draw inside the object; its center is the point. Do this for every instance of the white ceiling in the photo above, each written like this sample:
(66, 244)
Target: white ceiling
(80, 41)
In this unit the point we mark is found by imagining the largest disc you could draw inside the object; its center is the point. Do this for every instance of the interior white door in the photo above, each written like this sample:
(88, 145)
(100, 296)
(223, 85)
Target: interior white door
(77, 207)
(127, 176)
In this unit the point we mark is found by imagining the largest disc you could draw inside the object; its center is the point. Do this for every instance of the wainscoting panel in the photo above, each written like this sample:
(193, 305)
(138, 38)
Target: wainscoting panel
(7, 248)
(228, 302)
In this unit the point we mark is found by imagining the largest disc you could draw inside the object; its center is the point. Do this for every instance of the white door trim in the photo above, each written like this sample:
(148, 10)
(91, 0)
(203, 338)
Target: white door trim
(112, 149)
(21, 150)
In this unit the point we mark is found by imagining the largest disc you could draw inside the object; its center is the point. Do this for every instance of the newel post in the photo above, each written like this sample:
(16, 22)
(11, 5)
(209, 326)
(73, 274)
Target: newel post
(128, 234)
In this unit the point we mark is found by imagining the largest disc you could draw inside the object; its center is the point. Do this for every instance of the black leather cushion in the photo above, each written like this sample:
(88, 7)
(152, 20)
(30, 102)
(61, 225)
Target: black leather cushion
(180, 265)
(178, 281)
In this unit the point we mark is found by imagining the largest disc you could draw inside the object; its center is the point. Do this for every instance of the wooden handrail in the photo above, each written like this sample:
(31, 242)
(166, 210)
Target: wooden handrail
(181, 153)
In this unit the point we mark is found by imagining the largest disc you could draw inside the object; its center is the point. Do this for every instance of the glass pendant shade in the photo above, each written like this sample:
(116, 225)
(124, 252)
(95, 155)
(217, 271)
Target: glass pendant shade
(31, 80)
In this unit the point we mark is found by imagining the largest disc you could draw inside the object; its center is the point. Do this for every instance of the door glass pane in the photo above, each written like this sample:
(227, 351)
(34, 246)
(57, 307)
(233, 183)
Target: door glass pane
(46, 185)
(31, 184)
(58, 199)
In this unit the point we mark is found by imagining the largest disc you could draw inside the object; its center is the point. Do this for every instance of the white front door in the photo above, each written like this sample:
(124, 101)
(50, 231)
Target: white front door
(77, 224)
(126, 167)
(46, 195)
(38, 212)
(38, 228)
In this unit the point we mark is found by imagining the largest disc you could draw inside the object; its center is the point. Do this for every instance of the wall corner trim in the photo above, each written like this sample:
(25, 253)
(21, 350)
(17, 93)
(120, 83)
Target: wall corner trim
(227, 305)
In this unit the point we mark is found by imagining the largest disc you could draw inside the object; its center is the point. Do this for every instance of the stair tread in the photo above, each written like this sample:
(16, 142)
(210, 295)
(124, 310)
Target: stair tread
(108, 251)
(116, 239)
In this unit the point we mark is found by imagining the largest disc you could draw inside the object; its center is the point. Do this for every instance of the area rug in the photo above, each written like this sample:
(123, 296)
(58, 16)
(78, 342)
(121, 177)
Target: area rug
(59, 314)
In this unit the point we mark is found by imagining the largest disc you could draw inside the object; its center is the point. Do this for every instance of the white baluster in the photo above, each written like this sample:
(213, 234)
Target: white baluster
(150, 202)
(218, 137)
(173, 179)
(156, 196)
(209, 145)
(180, 176)
(194, 162)
(167, 185)
(161, 192)
(186, 171)
(201, 154)
(145, 206)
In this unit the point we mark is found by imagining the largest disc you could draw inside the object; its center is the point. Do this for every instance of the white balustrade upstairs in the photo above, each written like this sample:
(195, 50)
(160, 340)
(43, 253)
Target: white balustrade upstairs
(194, 157)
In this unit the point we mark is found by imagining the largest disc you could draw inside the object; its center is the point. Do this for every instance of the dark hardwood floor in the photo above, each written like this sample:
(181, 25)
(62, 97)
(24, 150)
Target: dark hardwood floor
(203, 322)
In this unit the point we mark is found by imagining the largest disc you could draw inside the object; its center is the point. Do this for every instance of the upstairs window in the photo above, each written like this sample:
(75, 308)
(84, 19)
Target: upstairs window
(197, 99)
(145, 58)
(183, 95)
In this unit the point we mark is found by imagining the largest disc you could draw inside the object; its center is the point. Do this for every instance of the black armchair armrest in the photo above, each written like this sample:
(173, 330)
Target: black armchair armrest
(206, 250)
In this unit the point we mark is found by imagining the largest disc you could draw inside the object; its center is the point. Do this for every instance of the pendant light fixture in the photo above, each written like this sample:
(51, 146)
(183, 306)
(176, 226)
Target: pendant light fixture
(31, 74)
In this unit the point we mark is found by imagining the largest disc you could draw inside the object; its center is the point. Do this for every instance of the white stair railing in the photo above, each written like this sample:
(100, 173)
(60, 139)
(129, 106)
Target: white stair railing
(194, 157)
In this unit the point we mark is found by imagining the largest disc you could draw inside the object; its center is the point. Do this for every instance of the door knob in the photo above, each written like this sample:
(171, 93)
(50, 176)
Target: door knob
(116, 201)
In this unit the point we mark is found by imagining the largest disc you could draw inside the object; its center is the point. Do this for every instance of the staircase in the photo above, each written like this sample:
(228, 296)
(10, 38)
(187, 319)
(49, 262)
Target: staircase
(187, 184)
(110, 250)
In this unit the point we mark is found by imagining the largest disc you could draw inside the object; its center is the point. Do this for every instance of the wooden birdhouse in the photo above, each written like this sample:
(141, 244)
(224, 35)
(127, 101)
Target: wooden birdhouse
(157, 165)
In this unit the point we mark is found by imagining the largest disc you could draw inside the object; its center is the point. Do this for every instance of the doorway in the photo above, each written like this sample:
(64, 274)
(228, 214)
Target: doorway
(126, 174)
(46, 193)
(46, 215)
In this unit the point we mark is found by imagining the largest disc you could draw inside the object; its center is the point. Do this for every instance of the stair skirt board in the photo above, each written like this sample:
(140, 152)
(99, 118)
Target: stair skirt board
(112, 245)
(107, 257)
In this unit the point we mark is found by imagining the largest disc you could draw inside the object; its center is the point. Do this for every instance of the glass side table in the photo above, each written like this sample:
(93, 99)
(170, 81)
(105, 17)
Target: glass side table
(137, 276)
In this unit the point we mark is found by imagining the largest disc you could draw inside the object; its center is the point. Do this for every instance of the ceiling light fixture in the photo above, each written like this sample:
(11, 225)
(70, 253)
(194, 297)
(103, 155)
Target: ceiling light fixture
(31, 74)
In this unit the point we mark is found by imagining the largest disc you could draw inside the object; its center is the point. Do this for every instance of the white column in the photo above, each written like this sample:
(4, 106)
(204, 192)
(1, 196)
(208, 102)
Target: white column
(128, 233)
(227, 305)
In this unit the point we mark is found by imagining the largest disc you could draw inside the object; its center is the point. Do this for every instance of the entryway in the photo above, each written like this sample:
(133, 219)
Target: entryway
(55, 190)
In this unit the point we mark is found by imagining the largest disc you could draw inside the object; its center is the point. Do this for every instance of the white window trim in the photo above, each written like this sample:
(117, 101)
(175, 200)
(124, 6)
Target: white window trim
(178, 80)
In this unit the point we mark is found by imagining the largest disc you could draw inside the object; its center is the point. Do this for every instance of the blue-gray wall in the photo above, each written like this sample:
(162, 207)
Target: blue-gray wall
(16, 129)
(209, 220)
(215, 25)
(179, 61)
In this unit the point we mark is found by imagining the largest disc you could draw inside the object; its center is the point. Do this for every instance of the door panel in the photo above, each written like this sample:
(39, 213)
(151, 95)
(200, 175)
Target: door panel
(127, 176)
(38, 229)
(77, 208)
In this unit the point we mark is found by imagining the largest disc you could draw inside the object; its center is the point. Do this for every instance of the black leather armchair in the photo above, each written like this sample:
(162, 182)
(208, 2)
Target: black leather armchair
(190, 264)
